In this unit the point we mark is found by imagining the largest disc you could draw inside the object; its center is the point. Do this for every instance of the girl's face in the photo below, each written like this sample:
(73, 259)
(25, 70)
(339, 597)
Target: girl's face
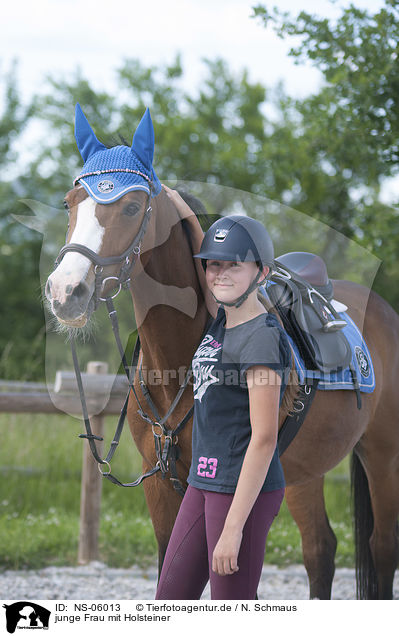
(227, 280)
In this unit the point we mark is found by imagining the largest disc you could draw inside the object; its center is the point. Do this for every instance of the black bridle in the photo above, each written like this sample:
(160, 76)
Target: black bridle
(128, 258)
(168, 452)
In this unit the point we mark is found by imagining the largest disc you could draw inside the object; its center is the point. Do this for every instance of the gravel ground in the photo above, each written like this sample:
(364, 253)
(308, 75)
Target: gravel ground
(97, 581)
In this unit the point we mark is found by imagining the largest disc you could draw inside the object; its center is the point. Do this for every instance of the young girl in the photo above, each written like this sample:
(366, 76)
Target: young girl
(236, 482)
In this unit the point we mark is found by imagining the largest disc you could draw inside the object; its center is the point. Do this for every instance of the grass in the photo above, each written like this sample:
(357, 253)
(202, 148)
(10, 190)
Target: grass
(40, 470)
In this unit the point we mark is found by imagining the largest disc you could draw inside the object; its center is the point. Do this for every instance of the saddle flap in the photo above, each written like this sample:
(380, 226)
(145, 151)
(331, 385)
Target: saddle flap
(305, 317)
(331, 349)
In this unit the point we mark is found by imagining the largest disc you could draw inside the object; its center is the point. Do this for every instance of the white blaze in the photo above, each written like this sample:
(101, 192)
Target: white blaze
(74, 267)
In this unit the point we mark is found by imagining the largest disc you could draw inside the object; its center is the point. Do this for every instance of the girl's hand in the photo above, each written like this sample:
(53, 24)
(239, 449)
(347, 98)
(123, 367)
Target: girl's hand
(225, 554)
(183, 209)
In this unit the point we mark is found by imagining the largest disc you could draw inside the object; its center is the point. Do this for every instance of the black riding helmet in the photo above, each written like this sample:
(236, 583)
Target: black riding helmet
(238, 238)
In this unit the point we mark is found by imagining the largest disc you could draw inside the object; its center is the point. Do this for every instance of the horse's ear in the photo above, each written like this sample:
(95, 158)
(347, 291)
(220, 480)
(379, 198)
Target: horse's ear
(87, 142)
(143, 140)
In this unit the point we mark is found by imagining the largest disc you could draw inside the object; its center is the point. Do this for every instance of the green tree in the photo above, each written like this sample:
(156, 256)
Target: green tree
(358, 56)
(351, 125)
(21, 324)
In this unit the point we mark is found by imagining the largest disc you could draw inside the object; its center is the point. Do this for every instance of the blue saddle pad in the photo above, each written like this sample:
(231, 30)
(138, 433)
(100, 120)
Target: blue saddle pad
(361, 363)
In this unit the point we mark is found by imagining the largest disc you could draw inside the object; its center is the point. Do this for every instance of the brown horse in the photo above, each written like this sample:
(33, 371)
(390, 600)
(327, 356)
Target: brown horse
(171, 315)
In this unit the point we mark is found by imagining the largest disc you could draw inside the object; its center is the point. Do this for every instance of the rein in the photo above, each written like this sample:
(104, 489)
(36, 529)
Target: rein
(168, 453)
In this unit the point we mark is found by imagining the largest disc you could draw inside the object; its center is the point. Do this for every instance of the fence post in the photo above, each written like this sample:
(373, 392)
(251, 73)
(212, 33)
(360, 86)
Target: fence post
(90, 498)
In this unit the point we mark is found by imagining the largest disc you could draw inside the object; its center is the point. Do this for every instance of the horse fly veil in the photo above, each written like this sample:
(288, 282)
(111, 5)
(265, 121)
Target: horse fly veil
(109, 173)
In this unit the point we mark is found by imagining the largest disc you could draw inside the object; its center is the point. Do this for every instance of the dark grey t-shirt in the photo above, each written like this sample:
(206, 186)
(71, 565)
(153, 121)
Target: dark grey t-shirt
(222, 427)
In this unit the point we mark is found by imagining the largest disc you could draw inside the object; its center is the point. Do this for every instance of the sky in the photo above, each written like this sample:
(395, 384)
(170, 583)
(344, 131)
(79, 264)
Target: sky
(55, 37)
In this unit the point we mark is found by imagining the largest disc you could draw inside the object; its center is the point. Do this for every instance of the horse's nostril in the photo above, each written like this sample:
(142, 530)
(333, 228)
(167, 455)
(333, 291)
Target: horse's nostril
(47, 289)
(80, 290)
(68, 290)
(56, 304)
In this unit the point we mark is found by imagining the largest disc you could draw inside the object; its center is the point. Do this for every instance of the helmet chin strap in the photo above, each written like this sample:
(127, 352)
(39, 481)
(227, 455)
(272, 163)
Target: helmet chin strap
(238, 301)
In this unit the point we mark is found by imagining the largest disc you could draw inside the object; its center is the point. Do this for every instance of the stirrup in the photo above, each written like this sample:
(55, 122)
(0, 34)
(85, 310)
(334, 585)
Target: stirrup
(334, 325)
(328, 316)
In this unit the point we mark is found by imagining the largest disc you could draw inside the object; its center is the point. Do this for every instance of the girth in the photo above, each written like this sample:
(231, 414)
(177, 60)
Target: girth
(293, 422)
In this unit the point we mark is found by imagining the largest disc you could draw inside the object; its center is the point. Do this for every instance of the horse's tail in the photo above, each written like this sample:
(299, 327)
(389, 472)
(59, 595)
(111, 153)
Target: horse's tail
(366, 577)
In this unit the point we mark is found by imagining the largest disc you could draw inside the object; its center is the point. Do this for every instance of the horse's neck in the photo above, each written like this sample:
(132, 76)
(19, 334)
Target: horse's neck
(169, 305)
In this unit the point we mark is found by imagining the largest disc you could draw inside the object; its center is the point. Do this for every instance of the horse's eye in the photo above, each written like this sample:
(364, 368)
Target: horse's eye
(131, 208)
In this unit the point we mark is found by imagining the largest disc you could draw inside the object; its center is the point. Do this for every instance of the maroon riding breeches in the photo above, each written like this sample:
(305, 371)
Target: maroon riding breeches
(188, 561)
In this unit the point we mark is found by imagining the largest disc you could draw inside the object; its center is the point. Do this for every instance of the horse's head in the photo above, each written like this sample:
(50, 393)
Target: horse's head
(109, 210)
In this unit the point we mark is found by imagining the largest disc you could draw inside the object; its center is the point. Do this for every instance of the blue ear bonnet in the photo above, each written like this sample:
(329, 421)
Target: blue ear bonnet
(115, 179)
(116, 170)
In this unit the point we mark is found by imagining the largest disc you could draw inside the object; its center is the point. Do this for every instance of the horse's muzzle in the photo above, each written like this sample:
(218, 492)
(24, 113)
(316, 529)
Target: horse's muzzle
(73, 307)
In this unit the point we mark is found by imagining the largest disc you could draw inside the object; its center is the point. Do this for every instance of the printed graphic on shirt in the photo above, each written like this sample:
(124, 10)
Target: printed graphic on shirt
(207, 352)
(207, 467)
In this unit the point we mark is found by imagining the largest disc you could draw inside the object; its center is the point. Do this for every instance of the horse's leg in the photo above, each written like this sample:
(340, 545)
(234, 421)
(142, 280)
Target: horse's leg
(306, 504)
(384, 542)
(163, 504)
(380, 534)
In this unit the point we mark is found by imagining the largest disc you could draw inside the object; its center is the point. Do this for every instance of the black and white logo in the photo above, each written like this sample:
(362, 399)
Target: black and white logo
(26, 615)
(362, 362)
(105, 186)
(220, 235)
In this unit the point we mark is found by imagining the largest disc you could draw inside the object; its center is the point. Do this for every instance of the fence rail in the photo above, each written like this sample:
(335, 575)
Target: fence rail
(63, 397)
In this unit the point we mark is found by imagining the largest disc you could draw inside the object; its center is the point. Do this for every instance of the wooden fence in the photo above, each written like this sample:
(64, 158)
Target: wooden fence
(33, 397)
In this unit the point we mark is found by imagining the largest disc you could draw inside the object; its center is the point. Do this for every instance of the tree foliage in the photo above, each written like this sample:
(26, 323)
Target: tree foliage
(21, 324)
(358, 56)
(351, 124)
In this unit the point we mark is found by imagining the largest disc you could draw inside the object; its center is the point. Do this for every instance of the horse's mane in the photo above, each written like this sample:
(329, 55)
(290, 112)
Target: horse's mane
(119, 140)
(195, 204)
